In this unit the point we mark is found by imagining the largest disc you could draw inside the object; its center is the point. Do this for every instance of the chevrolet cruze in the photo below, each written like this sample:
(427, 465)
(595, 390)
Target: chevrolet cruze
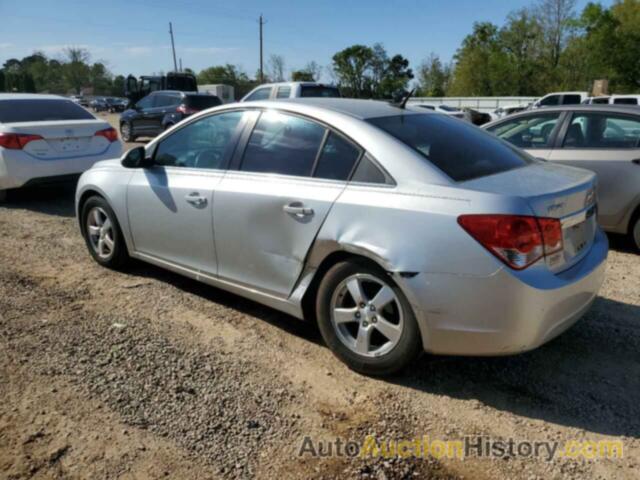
(397, 230)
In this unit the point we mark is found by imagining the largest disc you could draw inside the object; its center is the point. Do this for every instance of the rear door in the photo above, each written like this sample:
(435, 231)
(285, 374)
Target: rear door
(170, 205)
(607, 144)
(268, 211)
(534, 132)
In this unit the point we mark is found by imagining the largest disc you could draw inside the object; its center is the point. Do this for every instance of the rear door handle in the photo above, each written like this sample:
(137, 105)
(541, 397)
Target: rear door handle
(298, 209)
(194, 198)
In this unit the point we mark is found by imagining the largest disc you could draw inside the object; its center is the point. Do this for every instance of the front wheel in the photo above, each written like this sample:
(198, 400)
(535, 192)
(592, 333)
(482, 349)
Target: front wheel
(635, 231)
(366, 320)
(126, 131)
(102, 234)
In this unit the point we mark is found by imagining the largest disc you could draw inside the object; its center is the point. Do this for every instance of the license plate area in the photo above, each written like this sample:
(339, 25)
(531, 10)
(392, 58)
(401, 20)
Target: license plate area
(578, 233)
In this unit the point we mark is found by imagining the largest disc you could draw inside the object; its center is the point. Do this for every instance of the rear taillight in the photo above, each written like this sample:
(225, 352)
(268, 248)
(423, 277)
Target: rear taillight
(17, 141)
(109, 133)
(186, 110)
(517, 240)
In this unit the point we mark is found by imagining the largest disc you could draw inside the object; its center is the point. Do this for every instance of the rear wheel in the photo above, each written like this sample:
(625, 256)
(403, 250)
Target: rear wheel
(102, 234)
(366, 320)
(3, 195)
(126, 131)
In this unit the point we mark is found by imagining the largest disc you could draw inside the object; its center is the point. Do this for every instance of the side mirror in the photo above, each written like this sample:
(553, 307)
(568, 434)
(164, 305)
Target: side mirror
(136, 158)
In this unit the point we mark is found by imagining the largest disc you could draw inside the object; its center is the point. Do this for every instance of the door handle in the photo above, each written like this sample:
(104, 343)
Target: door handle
(194, 198)
(298, 209)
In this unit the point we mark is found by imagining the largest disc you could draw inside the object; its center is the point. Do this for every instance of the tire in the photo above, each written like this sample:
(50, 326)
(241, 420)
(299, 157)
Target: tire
(634, 230)
(3, 196)
(103, 238)
(126, 132)
(354, 332)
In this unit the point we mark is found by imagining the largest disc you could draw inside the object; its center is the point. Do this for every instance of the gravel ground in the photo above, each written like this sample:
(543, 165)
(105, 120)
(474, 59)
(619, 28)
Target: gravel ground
(146, 374)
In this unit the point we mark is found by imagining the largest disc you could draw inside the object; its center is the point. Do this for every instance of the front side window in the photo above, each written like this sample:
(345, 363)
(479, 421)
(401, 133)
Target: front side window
(282, 144)
(283, 92)
(337, 158)
(147, 102)
(167, 100)
(460, 150)
(205, 143)
(532, 131)
(260, 94)
(597, 130)
(14, 111)
(550, 100)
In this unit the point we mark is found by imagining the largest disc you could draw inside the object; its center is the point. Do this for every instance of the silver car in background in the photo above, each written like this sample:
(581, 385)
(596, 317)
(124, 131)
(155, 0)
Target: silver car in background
(397, 230)
(601, 138)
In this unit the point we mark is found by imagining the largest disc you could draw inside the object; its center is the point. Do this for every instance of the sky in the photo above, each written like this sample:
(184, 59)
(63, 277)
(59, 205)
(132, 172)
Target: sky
(132, 36)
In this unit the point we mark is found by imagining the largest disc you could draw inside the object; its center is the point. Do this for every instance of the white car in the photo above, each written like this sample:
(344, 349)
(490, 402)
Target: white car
(282, 90)
(614, 100)
(561, 98)
(47, 138)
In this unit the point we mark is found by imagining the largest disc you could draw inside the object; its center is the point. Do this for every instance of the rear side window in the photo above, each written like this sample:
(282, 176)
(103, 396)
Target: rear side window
(531, 131)
(596, 130)
(367, 172)
(626, 101)
(260, 94)
(283, 92)
(201, 102)
(167, 100)
(460, 150)
(282, 144)
(319, 91)
(571, 100)
(337, 158)
(14, 111)
(550, 100)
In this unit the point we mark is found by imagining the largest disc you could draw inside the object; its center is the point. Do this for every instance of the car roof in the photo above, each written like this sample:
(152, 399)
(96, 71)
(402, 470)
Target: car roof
(595, 107)
(356, 108)
(30, 96)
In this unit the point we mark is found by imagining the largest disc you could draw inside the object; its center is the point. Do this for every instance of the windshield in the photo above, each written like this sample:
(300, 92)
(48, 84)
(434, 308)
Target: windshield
(15, 111)
(319, 91)
(459, 149)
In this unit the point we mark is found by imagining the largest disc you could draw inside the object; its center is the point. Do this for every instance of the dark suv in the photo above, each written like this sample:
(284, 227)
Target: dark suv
(160, 110)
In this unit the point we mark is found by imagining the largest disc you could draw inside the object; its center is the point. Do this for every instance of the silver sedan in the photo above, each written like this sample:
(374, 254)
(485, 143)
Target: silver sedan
(396, 229)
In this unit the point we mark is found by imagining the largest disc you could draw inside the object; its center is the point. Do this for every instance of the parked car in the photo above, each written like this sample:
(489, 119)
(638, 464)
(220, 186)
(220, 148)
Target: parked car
(80, 100)
(138, 88)
(561, 98)
(99, 104)
(507, 110)
(397, 230)
(161, 110)
(291, 90)
(117, 105)
(444, 109)
(614, 100)
(601, 138)
(47, 138)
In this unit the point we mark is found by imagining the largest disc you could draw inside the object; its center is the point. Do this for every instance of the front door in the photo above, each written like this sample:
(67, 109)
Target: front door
(608, 144)
(171, 204)
(268, 212)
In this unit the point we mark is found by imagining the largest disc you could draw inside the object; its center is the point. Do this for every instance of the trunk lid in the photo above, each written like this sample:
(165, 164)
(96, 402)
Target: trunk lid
(61, 140)
(553, 191)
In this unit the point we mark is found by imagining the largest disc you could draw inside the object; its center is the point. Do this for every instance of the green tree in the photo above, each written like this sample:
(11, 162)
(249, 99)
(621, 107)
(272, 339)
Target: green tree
(229, 75)
(301, 76)
(433, 77)
(351, 67)
(77, 72)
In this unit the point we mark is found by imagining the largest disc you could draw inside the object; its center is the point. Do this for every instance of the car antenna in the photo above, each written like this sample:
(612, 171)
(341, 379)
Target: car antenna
(400, 100)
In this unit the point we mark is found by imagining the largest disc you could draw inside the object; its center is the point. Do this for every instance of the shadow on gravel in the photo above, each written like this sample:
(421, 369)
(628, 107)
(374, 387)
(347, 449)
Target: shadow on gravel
(55, 199)
(303, 329)
(588, 378)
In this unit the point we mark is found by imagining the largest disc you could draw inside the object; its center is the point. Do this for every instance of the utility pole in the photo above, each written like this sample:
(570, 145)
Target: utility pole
(173, 48)
(261, 22)
(180, 63)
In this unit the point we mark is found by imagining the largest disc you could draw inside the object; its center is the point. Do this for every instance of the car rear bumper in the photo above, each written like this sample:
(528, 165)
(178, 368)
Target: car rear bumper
(507, 312)
(18, 168)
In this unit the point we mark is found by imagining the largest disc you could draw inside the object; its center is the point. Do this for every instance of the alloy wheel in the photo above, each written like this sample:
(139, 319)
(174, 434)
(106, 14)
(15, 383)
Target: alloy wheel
(367, 315)
(101, 233)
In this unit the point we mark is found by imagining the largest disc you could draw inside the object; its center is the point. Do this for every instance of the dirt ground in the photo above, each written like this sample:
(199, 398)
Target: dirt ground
(147, 374)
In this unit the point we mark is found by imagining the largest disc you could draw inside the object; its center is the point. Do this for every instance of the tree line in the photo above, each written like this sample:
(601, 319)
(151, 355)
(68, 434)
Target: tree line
(548, 46)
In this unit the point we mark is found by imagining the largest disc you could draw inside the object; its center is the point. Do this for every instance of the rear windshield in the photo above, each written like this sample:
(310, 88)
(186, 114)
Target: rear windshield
(14, 111)
(319, 91)
(200, 102)
(459, 149)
